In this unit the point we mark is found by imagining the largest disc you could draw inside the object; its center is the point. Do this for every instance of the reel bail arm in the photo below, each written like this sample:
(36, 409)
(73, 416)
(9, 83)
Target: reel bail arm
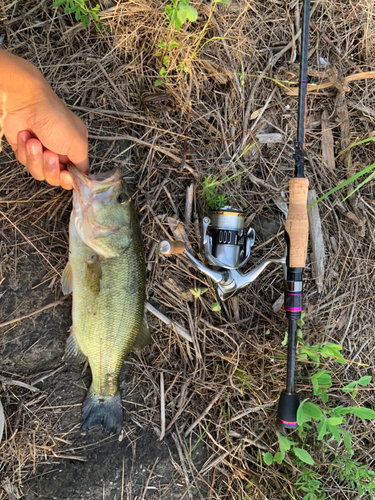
(227, 247)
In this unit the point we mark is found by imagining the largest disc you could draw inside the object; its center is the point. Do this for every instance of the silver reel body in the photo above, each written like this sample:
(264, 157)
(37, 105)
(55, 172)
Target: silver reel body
(226, 243)
(227, 247)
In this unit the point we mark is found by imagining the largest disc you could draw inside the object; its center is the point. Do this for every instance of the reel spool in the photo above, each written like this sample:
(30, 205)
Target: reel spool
(225, 242)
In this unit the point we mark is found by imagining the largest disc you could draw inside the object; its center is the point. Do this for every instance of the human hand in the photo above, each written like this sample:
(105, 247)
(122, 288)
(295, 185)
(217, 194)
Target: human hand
(44, 134)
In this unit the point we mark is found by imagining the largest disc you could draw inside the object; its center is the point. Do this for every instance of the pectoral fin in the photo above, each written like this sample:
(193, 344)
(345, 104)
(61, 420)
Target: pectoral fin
(143, 338)
(73, 354)
(67, 279)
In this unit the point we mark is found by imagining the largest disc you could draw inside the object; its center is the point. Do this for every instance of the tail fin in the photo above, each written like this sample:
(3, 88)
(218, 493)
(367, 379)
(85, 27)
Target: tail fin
(102, 410)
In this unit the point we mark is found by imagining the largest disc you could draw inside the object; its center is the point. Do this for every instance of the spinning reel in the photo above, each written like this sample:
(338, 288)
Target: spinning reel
(227, 248)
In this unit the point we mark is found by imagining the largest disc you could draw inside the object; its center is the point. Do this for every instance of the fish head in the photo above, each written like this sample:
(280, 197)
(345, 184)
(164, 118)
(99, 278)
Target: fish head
(102, 211)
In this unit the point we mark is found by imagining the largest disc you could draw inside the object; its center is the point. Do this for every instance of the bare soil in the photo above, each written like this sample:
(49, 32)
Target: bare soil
(96, 465)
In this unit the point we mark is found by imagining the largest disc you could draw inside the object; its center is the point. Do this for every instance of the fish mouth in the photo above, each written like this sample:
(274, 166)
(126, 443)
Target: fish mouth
(86, 190)
(92, 184)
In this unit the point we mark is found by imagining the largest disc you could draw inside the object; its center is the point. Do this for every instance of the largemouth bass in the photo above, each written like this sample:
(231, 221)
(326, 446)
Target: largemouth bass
(106, 273)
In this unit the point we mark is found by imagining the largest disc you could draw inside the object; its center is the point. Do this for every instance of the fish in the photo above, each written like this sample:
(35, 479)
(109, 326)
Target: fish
(106, 275)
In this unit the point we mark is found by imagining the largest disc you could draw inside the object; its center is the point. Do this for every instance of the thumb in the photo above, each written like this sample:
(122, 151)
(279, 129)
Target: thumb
(62, 132)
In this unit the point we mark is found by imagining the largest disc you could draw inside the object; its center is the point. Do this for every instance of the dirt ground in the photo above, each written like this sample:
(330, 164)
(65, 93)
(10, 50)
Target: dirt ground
(232, 116)
(133, 465)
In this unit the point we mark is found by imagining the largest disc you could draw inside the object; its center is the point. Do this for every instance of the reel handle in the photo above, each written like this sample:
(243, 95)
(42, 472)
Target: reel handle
(297, 224)
(171, 247)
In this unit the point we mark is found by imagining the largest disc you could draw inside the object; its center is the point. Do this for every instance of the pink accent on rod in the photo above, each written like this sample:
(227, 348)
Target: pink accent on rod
(287, 423)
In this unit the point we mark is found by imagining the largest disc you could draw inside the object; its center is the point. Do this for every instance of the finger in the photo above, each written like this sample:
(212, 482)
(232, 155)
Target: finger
(83, 166)
(61, 131)
(34, 159)
(64, 159)
(66, 180)
(20, 151)
(78, 152)
(51, 168)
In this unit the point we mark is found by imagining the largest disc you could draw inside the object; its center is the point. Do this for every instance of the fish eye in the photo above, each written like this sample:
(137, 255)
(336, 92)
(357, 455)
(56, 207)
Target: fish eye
(122, 198)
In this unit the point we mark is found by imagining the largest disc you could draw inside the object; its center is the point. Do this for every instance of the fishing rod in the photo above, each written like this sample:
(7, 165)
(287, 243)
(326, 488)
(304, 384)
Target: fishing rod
(296, 237)
(227, 245)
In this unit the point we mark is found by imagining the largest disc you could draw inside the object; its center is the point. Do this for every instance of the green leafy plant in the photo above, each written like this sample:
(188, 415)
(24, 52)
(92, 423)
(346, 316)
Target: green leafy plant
(179, 12)
(357, 475)
(352, 387)
(198, 292)
(210, 184)
(82, 12)
(309, 483)
(328, 424)
(164, 52)
(213, 200)
(327, 421)
(215, 306)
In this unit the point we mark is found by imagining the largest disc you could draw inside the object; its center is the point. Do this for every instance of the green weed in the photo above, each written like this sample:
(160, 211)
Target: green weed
(328, 425)
(179, 12)
(353, 177)
(201, 35)
(215, 306)
(214, 200)
(210, 183)
(357, 475)
(82, 12)
(309, 483)
(198, 292)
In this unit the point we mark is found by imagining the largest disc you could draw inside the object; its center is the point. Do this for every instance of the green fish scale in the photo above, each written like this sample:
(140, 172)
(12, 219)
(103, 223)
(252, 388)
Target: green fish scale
(108, 307)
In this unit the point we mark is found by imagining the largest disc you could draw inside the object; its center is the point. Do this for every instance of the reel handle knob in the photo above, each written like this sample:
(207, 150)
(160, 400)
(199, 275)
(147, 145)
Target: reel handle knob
(287, 410)
(171, 247)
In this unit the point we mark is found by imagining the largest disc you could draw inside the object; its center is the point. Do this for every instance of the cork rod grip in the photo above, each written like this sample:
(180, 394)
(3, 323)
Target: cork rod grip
(171, 247)
(297, 224)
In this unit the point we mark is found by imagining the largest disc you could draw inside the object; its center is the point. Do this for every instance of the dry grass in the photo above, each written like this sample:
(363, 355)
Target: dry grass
(224, 386)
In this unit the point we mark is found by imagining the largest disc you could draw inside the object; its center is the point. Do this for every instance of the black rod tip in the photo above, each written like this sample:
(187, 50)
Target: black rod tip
(287, 410)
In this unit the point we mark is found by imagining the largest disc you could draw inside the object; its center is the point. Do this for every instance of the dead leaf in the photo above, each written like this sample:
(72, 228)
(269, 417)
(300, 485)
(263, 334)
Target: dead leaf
(181, 291)
(271, 138)
(221, 74)
(360, 224)
(2, 421)
(278, 304)
(327, 142)
(12, 491)
(317, 241)
(256, 113)
(353, 217)
(178, 231)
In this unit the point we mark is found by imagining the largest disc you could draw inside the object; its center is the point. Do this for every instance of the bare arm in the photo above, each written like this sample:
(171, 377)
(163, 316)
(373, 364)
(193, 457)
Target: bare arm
(42, 131)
